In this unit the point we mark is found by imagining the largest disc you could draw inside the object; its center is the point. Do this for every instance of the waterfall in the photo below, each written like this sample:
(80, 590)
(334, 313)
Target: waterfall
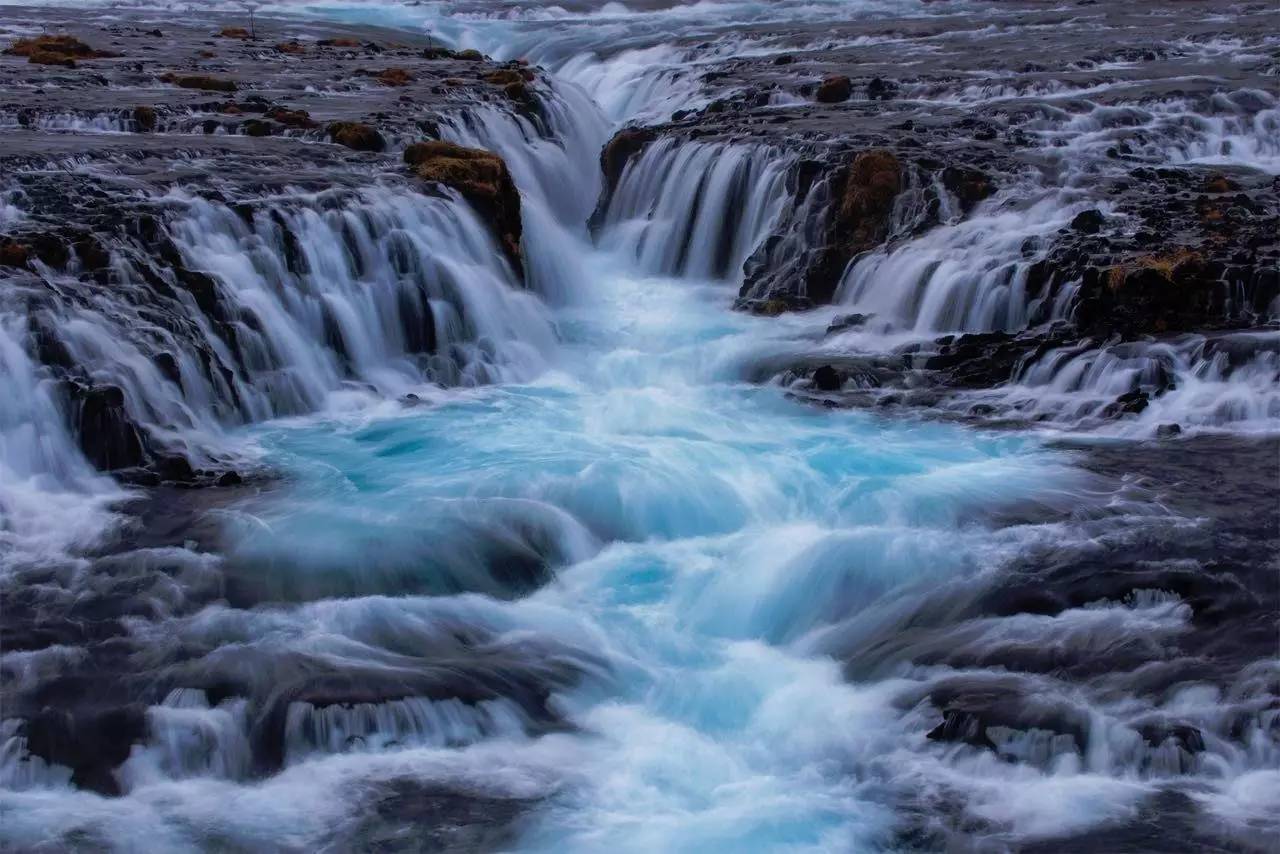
(210, 315)
(964, 276)
(553, 155)
(694, 209)
(1225, 381)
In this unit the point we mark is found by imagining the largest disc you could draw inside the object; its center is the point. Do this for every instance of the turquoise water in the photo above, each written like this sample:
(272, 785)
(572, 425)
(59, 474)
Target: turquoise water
(688, 532)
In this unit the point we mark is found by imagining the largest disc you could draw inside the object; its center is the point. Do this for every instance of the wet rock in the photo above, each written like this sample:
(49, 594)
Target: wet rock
(356, 135)
(847, 321)
(55, 50)
(861, 217)
(230, 478)
(1168, 431)
(968, 185)
(880, 89)
(14, 254)
(394, 77)
(106, 433)
(827, 378)
(92, 743)
(144, 118)
(291, 118)
(617, 153)
(1151, 294)
(1088, 222)
(963, 728)
(174, 469)
(469, 55)
(1129, 403)
(833, 89)
(293, 48)
(483, 180)
(233, 33)
(200, 81)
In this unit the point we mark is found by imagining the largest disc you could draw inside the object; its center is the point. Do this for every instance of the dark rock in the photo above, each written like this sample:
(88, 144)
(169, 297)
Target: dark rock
(1168, 431)
(201, 81)
(101, 423)
(617, 153)
(861, 218)
(144, 118)
(356, 136)
(827, 378)
(968, 185)
(963, 728)
(834, 89)
(1088, 222)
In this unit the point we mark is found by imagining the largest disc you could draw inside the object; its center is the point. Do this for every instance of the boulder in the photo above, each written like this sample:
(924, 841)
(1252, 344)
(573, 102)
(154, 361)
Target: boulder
(290, 118)
(394, 77)
(969, 186)
(1088, 222)
(834, 89)
(144, 118)
(827, 378)
(356, 136)
(483, 180)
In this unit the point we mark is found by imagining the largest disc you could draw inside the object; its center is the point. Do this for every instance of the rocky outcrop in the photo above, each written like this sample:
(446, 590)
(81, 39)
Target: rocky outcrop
(200, 81)
(834, 89)
(357, 136)
(619, 151)
(483, 180)
(61, 50)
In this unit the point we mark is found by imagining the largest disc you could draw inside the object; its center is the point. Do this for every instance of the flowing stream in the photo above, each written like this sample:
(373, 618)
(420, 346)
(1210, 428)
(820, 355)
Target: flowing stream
(584, 583)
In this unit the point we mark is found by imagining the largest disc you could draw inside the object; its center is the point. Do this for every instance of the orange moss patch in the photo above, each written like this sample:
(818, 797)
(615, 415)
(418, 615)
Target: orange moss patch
(394, 77)
(338, 43)
(483, 180)
(1165, 264)
(233, 33)
(293, 48)
(55, 50)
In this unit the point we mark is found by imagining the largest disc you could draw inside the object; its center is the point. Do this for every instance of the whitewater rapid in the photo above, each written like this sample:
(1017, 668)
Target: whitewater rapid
(586, 578)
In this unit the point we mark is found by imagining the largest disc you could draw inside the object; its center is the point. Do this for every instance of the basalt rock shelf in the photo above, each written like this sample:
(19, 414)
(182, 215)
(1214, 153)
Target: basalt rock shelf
(722, 426)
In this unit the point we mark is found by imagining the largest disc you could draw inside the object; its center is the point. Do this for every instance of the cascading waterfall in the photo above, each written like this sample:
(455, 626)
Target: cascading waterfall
(697, 210)
(539, 570)
(965, 276)
(1219, 382)
(552, 156)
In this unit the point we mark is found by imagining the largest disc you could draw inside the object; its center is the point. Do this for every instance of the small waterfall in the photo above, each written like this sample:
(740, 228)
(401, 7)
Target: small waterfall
(413, 721)
(966, 276)
(552, 153)
(695, 209)
(51, 498)
(267, 309)
(188, 738)
(1227, 381)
